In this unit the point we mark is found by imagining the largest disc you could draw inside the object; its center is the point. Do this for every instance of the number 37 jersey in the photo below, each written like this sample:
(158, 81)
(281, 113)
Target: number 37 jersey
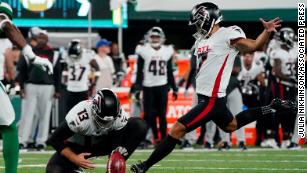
(80, 120)
(78, 71)
(155, 64)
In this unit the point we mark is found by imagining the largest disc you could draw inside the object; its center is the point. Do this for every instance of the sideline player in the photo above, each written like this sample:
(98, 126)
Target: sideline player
(155, 77)
(216, 49)
(80, 63)
(94, 127)
(7, 115)
(283, 63)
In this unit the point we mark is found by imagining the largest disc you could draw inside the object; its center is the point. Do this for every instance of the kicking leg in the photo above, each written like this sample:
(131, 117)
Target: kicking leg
(250, 115)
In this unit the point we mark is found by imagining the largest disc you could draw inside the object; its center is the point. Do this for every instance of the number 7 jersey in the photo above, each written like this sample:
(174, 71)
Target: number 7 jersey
(155, 64)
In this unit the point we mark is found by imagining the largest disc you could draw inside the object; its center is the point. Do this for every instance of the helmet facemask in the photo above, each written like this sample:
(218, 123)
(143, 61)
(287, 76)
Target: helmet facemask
(286, 36)
(155, 37)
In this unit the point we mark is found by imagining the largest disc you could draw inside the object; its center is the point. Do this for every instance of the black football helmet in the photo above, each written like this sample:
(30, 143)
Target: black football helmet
(105, 108)
(74, 49)
(285, 36)
(204, 16)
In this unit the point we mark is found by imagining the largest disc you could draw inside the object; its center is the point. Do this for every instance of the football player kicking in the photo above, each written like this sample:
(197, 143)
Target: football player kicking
(216, 48)
(94, 127)
(8, 128)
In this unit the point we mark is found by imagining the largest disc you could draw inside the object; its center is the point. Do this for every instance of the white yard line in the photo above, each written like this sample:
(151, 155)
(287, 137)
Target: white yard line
(189, 168)
(193, 160)
(181, 151)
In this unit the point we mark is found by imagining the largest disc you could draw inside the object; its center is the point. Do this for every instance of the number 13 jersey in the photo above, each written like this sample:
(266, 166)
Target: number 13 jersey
(155, 64)
(81, 121)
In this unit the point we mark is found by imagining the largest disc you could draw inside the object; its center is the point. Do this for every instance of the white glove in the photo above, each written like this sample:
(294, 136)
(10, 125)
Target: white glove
(123, 151)
(39, 62)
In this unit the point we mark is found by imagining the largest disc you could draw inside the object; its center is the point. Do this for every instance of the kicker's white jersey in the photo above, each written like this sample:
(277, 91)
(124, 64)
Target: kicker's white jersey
(288, 61)
(80, 120)
(155, 64)
(247, 75)
(79, 71)
(215, 58)
(5, 44)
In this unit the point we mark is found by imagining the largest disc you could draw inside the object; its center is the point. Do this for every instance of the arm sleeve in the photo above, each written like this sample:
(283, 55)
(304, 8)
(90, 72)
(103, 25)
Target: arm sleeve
(139, 72)
(58, 137)
(22, 68)
(192, 71)
(170, 75)
(57, 74)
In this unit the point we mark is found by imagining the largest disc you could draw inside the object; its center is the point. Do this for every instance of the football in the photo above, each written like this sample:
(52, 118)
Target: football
(116, 163)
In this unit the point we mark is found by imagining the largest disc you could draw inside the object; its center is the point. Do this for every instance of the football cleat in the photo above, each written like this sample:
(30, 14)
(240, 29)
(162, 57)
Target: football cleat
(186, 145)
(285, 144)
(269, 143)
(293, 146)
(139, 167)
(116, 163)
(224, 146)
(242, 146)
(280, 105)
(208, 146)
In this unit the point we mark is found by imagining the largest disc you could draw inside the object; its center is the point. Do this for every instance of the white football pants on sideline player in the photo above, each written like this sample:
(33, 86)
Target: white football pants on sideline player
(38, 100)
(235, 105)
(210, 132)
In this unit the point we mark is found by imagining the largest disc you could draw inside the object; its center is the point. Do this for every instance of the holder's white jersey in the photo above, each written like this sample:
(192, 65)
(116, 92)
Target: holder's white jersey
(79, 71)
(81, 121)
(288, 61)
(251, 74)
(215, 58)
(155, 64)
(5, 44)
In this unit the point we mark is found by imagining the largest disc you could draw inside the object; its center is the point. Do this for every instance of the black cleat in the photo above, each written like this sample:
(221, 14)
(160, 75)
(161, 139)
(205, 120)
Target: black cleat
(139, 167)
(242, 146)
(293, 146)
(282, 105)
(208, 146)
(224, 146)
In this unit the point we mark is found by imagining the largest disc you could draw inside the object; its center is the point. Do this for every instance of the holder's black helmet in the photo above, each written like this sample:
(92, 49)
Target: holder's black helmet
(106, 108)
(204, 16)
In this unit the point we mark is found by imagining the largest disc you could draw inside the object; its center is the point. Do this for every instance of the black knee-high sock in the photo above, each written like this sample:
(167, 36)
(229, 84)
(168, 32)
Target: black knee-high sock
(163, 149)
(250, 115)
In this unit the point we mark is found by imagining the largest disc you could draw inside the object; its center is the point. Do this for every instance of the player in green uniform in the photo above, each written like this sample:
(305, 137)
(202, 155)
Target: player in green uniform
(8, 128)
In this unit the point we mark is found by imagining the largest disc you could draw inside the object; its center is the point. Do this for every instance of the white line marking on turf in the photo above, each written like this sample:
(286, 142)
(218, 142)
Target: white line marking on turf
(181, 151)
(185, 168)
(194, 160)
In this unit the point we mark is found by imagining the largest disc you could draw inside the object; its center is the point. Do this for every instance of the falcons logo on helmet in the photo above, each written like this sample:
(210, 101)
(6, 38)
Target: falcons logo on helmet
(202, 14)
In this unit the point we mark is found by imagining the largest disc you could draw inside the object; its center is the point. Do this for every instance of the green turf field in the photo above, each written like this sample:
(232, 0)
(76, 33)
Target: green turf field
(197, 161)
